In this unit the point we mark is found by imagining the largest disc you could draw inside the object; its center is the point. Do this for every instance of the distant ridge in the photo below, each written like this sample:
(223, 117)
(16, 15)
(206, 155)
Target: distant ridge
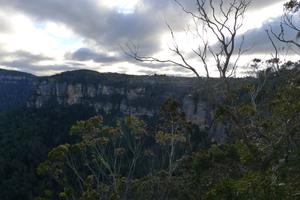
(15, 73)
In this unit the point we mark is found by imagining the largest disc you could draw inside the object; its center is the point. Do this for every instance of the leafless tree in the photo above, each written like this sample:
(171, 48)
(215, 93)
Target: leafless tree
(275, 60)
(289, 23)
(221, 19)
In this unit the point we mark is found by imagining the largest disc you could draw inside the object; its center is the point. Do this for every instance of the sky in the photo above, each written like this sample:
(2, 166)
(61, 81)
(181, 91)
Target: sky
(44, 37)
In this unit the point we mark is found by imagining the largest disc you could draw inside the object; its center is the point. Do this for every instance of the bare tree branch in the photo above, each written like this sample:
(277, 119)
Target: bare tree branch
(221, 20)
(289, 23)
(275, 59)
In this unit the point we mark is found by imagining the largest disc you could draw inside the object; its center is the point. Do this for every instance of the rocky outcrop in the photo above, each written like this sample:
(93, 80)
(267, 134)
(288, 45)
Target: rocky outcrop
(127, 95)
(118, 94)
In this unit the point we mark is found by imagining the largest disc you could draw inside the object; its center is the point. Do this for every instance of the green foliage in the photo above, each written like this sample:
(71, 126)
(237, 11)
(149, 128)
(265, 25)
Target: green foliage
(26, 137)
(168, 159)
(292, 5)
(101, 163)
(261, 160)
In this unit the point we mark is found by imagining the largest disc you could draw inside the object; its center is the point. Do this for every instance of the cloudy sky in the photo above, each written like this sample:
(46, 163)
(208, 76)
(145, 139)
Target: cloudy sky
(44, 37)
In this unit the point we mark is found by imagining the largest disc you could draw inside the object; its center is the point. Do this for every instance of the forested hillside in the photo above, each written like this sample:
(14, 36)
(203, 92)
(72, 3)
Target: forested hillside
(231, 132)
(15, 88)
(163, 158)
(176, 160)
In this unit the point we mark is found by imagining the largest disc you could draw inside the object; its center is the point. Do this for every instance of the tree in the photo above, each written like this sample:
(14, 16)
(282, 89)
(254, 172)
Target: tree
(292, 5)
(101, 165)
(289, 23)
(261, 159)
(172, 133)
(223, 20)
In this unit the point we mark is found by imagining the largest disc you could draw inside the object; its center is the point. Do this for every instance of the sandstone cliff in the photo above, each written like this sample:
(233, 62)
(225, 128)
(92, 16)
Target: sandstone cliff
(117, 94)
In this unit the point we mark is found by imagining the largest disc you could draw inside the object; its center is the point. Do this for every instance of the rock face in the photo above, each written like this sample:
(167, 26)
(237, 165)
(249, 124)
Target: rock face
(138, 95)
(113, 93)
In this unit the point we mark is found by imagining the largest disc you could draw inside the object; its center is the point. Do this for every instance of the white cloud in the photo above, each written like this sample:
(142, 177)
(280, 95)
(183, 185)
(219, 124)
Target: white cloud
(47, 38)
(121, 6)
(256, 18)
(56, 28)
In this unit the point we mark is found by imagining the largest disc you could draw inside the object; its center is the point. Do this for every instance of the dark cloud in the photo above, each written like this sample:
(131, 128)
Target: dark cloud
(29, 67)
(110, 29)
(74, 63)
(23, 55)
(264, 3)
(85, 54)
(29, 56)
(257, 41)
(107, 27)
(27, 62)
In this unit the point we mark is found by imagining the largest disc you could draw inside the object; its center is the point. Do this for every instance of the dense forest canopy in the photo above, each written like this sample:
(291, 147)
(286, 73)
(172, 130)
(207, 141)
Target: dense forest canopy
(76, 153)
